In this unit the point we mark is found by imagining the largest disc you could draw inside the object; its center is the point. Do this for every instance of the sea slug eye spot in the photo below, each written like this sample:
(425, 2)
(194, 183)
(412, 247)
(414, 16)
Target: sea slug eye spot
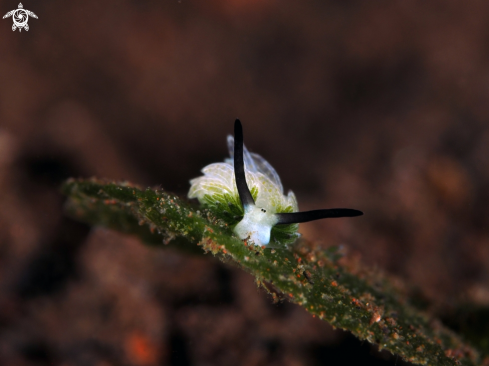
(263, 210)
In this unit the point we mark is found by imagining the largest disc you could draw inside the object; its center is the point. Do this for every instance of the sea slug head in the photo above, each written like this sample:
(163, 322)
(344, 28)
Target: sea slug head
(256, 225)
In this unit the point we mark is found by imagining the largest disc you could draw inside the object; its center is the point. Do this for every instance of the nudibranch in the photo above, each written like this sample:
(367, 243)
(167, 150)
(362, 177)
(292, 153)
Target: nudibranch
(248, 183)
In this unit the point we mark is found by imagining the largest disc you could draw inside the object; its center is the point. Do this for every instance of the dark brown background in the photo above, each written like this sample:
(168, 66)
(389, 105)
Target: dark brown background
(380, 106)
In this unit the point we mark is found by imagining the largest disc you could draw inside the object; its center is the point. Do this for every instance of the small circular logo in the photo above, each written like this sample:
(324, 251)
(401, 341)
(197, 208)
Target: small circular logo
(20, 18)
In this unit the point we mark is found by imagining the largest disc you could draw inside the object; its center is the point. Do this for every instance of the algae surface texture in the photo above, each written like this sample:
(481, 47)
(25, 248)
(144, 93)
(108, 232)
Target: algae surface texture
(363, 302)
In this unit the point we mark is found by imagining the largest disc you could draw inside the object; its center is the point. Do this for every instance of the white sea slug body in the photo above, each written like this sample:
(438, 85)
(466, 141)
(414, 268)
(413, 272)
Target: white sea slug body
(219, 183)
(248, 181)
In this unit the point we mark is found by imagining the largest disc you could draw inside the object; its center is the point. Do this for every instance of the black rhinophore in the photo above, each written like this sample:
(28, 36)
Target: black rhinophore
(286, 217)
